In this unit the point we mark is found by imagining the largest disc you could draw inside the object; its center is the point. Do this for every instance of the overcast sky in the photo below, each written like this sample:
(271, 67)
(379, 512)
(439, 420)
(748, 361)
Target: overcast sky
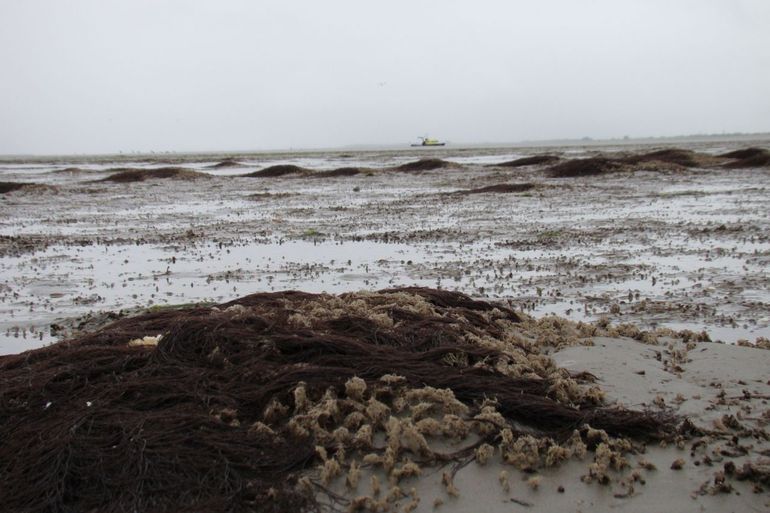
(81, 76)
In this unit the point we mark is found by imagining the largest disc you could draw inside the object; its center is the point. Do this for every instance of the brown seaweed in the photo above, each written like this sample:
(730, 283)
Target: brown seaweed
(677, 156)
(425, 165)
(225, 163)
(584, 167)
(744, 153)
(278, 170)
(528, 161)
(6, 187)
(128, 175)
(750, 157)
(97, 423)
(341, 171)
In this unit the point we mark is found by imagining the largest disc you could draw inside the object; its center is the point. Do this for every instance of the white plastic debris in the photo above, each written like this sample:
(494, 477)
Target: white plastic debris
(145, 341)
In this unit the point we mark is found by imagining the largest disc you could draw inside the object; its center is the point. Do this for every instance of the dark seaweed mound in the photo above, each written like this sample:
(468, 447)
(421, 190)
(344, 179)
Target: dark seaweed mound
(126, 175)
(750, 157)
(425, 165)
(529, 161)
(6, 187)
(744, 153)
(225, 163)
(279, 170)
(584, 167)
(670, 156)
(342, 171)
(98, 424)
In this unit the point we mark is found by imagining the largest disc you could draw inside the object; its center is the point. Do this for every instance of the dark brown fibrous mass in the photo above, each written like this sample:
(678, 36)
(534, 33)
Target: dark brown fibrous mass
(6, 187)
(278, 170)
(747, 158)
(425, 165)
(529, 161)
(584, 167)
(126, 175)
(342, 171)
(678, 156)
(213, 415)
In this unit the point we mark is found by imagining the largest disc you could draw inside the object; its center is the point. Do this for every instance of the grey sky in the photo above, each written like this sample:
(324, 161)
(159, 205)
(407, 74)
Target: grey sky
(108, 75)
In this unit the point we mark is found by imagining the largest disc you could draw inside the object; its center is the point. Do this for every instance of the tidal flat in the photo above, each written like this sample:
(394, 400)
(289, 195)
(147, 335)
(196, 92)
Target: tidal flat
(673, 238)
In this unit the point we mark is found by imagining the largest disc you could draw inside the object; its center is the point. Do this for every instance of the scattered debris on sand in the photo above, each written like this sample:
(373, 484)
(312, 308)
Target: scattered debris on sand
(257, 196)
(502, 188)
(127, 175)
(232, 407)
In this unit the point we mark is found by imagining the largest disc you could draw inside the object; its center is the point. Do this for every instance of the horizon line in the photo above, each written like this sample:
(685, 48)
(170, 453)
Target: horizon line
(587, 140)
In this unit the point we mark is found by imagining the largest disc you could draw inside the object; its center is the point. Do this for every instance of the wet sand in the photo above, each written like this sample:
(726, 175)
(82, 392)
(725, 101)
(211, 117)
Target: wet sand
(658, 244)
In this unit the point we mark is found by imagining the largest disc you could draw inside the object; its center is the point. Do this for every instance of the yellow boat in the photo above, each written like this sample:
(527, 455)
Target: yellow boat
(427, 141)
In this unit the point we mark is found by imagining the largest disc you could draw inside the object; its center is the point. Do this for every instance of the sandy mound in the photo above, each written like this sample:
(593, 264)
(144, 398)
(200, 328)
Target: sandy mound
(502, 188)
(425, 165)
(279, 170)
(233, 408)
(127, 175)
(529, 161)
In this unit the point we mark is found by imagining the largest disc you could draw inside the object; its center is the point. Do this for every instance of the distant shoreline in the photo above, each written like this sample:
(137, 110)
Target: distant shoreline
(451, 146)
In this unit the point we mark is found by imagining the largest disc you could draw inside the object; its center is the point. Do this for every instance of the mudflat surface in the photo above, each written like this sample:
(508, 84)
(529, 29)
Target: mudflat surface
(658, 244)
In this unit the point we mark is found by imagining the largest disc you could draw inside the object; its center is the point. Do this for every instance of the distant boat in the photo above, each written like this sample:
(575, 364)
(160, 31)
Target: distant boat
(427, 141)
